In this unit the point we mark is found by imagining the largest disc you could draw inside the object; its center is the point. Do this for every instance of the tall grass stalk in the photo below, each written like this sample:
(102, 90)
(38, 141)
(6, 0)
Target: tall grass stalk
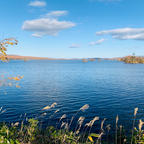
(90, 124)
(120, 134)
(108, 127)
(135, 113)
(79, 124)
(141, 123)
(102, 130)
(83, 108)
(117, 118)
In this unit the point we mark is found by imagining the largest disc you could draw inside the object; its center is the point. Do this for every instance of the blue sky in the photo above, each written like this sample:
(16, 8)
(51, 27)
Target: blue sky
(73, 28)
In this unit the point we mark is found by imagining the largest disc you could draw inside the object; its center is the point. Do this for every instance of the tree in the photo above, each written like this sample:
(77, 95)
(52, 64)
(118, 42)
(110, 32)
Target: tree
(3, 47)
(4, 44)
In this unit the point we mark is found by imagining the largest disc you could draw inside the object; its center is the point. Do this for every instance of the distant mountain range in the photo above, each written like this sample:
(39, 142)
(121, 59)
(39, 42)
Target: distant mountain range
(17, 57)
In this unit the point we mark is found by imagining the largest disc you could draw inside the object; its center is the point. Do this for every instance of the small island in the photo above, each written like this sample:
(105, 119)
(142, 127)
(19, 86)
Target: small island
(133, 59)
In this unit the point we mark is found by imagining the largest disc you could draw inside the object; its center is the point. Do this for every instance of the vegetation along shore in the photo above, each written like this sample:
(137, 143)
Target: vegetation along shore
(29, 131)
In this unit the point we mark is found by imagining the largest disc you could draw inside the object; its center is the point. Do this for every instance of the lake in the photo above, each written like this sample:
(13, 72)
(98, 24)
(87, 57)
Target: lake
(109, 87)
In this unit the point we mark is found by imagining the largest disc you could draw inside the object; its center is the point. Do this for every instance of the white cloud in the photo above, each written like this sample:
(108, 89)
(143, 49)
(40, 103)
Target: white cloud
(47, 25)
(56, 13)
(74, 46)
(36, 35)
(124, 33)
(37, 3)
(96, 42)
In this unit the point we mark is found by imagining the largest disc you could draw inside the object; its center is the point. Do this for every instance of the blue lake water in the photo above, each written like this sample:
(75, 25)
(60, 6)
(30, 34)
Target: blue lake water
(109, 87)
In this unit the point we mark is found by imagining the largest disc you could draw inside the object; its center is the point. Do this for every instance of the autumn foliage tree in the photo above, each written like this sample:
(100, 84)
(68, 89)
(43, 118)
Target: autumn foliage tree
(133, 59)
(4, 44)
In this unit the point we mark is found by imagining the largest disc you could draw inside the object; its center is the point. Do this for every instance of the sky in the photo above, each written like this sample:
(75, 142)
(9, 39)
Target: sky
(73, 28)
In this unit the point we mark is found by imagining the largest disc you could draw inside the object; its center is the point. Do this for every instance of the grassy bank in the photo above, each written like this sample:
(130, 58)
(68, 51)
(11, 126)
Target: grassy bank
(29, 131)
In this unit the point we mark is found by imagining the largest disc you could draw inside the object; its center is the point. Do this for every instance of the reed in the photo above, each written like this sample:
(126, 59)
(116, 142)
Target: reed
(80, 122)
(91, 123)
(117, 118)
(83, 108)
(108, 127)
(135, 113)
